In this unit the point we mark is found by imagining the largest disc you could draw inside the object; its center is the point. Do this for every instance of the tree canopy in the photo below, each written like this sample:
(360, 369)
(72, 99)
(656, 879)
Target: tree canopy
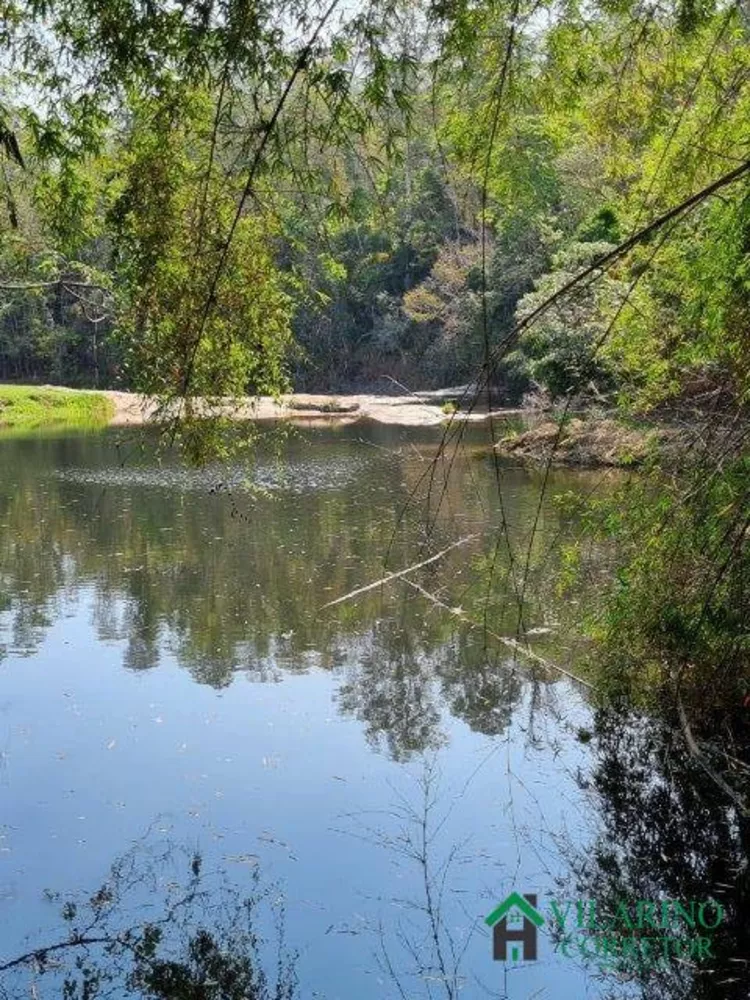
(207, 199)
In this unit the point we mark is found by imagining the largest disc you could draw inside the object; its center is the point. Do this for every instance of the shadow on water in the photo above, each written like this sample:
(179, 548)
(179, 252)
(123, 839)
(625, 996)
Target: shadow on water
(168, 924)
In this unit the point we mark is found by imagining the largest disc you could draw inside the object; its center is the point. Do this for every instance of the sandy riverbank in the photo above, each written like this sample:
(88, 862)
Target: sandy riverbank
(423, 410)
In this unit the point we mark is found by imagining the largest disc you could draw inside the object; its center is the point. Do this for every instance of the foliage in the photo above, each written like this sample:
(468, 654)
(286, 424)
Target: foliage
(446, 307)
(331, 199)
(169, 223)
(561, 351)
(673, 623)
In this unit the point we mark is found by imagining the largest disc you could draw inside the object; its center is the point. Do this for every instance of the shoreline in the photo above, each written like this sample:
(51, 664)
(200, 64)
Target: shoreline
(30, 407)
(119, 408)
(585, 440)
(416, 410)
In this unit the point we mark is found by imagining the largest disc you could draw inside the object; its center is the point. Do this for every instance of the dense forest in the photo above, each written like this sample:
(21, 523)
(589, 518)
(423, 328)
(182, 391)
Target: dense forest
(221, 197)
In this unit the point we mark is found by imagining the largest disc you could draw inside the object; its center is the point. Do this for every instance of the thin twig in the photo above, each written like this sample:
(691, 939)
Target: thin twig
(39, 954)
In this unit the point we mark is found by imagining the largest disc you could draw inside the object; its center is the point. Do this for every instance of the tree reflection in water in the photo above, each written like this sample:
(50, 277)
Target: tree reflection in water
(669, 832)
(161, 926)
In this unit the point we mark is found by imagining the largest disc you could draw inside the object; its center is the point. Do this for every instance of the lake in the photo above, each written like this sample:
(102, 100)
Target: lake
(379, 772)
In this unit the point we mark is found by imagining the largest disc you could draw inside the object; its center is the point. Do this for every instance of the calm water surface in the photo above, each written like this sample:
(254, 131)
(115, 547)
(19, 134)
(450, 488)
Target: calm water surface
(171, 678)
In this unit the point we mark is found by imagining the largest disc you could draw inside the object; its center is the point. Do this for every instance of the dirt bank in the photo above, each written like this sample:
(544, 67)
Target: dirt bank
(588, 443)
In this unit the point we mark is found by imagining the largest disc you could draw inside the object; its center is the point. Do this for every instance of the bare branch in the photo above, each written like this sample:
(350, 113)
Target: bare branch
(396, 576)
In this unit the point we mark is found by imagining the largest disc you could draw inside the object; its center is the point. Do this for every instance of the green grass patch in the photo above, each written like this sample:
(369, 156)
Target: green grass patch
(24, 407)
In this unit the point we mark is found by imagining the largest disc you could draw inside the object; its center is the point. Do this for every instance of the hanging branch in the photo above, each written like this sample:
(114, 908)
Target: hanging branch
(300, 64)
(699, 756)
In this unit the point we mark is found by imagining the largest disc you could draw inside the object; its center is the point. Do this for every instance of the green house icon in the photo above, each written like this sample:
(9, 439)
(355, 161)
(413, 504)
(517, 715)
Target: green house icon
(514, 906)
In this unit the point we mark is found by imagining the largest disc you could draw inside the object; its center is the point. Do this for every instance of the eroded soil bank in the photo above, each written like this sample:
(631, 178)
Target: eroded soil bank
(589, 442)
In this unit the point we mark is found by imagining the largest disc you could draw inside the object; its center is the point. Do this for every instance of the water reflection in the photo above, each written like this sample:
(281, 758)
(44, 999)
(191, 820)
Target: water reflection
(169, 923)
(228, 569)
(400, 694)
(198, 583)
(668, 832)
(162, 926)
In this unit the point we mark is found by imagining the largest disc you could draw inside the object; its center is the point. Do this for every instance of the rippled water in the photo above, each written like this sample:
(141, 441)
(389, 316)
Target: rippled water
(172, 678)
(303, 475)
